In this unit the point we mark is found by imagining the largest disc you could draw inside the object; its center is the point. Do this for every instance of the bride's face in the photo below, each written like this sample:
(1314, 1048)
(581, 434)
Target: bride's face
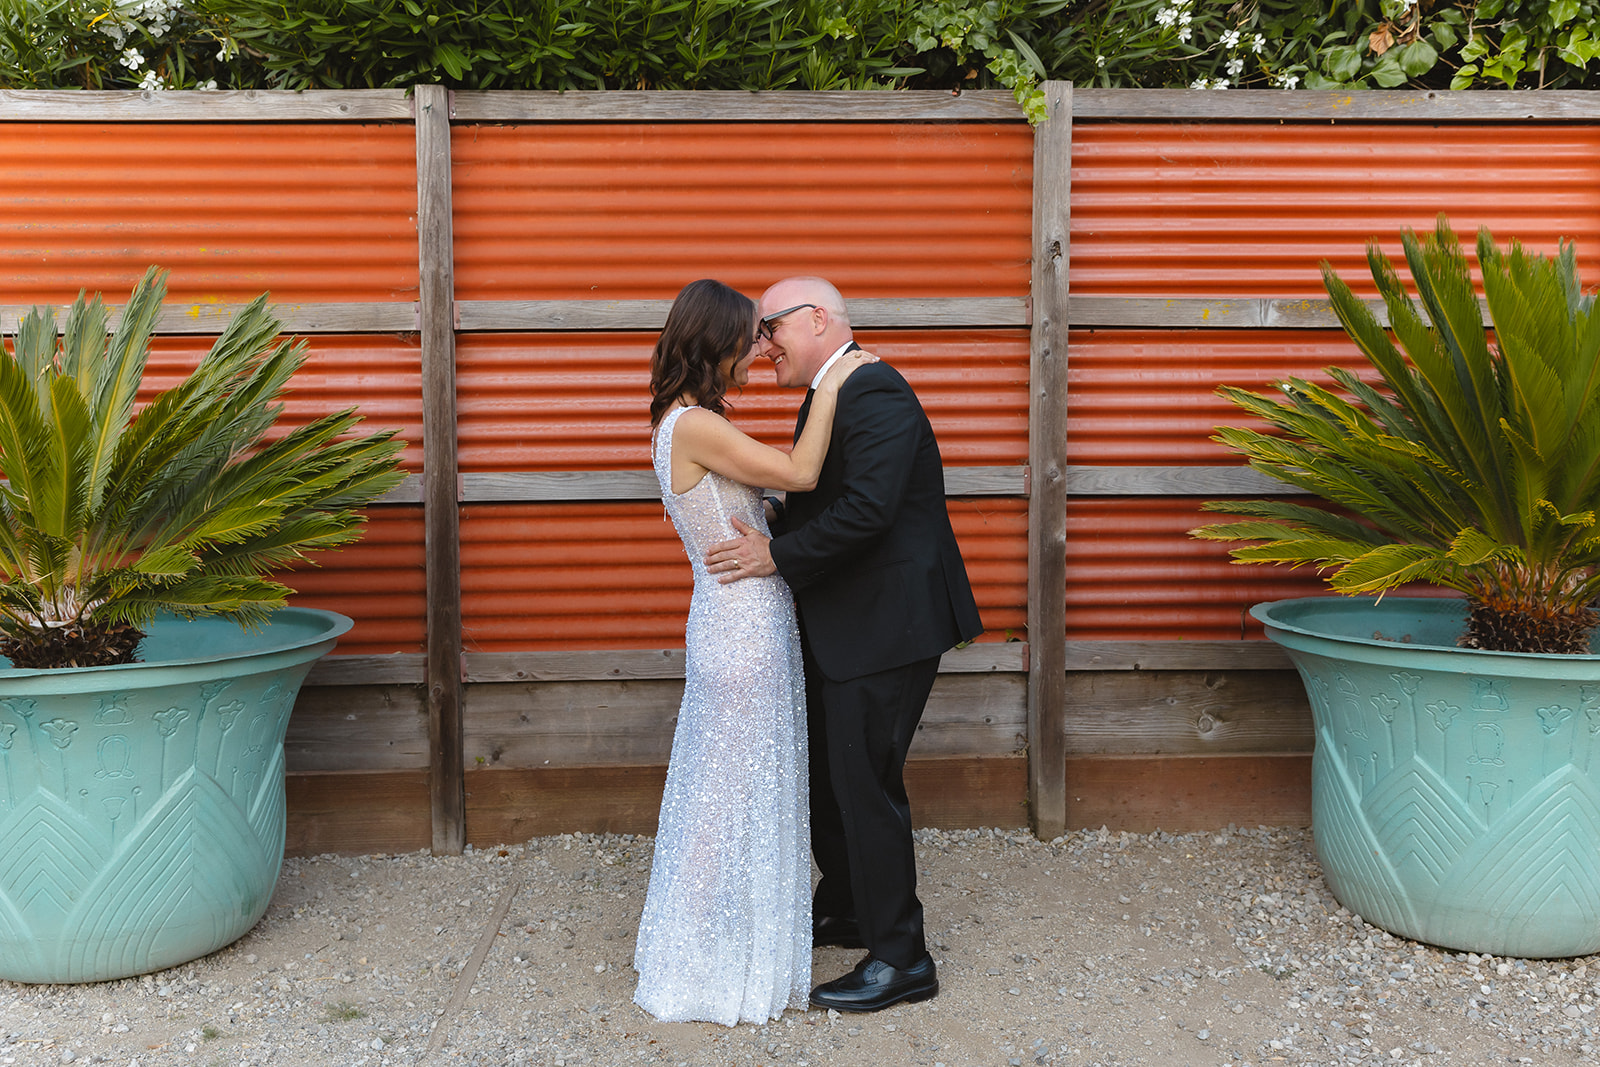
(736, 368)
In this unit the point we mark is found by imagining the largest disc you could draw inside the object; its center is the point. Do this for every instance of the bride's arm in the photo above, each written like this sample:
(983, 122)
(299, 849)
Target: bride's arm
(711, 441)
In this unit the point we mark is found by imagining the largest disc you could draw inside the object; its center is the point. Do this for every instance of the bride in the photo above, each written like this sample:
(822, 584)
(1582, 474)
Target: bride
(726, 930)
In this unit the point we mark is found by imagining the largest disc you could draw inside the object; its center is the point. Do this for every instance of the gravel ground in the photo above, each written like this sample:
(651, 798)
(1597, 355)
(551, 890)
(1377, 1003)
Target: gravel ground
(1095, 949)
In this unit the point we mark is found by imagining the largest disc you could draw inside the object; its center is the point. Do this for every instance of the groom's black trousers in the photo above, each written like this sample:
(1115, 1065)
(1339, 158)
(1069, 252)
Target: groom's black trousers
(860, 820)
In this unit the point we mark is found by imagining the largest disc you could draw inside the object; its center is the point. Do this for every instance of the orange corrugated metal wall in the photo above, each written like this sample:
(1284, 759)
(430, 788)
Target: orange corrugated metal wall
(1236, 210)
(548, 212)
(312, 213)
(325, 213)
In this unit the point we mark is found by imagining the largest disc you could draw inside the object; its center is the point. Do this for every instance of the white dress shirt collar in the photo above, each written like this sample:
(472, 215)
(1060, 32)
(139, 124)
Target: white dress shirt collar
(831, 361)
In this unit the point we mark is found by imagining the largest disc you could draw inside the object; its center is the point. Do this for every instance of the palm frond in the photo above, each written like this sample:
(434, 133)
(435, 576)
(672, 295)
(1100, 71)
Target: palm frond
(189, 504)
(1472, 466)
(110, 383)
(59, 502)
(34, 348)
(1391, 566)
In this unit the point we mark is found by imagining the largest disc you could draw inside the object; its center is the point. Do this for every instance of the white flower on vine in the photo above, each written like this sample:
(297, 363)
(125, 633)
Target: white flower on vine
(208, 86)
(1287, 81)
(159, 13)
(1230, 39)
(1099, 61)
(112, 28)
(1184, 18)
(1166, 16)
(1235, 67)
(131, 58)
(152, 80)
(1185, 32)
(1258, 43)
(1200, 83)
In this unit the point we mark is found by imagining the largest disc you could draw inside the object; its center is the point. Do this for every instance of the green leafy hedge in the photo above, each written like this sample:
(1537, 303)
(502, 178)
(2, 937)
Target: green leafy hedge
(803, 44)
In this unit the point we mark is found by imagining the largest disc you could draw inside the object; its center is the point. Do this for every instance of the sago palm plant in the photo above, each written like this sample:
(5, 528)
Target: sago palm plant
(109, 516)
(1474, 465)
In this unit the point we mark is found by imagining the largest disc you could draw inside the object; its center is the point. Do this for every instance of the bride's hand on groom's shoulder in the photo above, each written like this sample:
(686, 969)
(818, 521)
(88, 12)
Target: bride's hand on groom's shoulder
(847, 365)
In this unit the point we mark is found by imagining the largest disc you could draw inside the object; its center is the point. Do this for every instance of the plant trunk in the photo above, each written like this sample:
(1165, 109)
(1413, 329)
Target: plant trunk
(1517, 628)
(86, 644)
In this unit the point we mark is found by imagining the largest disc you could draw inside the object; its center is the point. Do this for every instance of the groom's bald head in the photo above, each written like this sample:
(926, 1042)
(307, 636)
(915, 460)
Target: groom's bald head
(808, 322)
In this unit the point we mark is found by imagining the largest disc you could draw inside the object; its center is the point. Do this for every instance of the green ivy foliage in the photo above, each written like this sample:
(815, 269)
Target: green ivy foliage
(799, 44)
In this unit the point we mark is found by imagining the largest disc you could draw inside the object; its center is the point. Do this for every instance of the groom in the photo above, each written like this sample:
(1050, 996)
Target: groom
(882, 593)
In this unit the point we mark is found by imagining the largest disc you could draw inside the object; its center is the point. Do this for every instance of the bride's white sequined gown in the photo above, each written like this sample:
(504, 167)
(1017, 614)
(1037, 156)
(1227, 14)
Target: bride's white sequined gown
(726, 931)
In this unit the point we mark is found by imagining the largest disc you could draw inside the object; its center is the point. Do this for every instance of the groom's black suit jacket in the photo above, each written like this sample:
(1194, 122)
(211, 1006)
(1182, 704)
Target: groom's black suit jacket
(869, 553)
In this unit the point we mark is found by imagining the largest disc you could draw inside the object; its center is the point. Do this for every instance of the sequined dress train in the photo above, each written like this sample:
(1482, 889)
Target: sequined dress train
(726, 931)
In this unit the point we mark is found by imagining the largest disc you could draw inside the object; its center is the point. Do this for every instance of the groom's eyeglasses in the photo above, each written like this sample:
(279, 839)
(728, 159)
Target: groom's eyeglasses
(764, 328)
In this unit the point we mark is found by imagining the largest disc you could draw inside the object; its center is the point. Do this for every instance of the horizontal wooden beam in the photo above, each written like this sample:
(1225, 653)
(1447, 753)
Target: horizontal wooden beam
(1176, 656)
(539, 487)
(505, 806)
(529, 316)
(625, 664)
(409, 491)
(788, 105)
(296, 318)
(1173, 481)
(359, 728)
(1303, 105)
(1198, 712)
(229, 105)
(1184, 794)
(553, 315)
(602, 723)
(865, 313)
(356, 812)
(399, 668)
(1222, 313)
(545, 486)
(986, 481)
(1231, 313)
(657, 106)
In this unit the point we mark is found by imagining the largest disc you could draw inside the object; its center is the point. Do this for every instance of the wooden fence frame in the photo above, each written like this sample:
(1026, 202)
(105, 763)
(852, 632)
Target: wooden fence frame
(1049, 312)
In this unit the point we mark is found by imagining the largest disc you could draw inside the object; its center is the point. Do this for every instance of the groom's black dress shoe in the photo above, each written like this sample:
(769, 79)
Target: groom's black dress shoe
(874, 985)
(832, 930)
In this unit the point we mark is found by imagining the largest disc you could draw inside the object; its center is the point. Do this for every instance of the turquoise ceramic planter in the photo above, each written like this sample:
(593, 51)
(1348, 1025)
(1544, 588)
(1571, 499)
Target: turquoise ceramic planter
(142, 805)
(1455, 792)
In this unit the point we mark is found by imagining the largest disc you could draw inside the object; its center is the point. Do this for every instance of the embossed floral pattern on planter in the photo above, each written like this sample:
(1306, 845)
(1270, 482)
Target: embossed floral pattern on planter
(1455, 792)
(142, 805)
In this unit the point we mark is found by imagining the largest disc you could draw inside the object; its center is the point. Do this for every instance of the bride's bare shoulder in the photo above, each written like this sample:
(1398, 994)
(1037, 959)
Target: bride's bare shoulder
(697, 419)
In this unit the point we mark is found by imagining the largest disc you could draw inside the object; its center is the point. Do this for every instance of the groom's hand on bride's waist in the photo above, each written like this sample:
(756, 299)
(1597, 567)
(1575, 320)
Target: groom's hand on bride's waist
(747, 556)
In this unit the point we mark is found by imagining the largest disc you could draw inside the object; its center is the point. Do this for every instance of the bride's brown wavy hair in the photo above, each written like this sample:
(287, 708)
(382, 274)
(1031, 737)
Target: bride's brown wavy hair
(708, 322)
